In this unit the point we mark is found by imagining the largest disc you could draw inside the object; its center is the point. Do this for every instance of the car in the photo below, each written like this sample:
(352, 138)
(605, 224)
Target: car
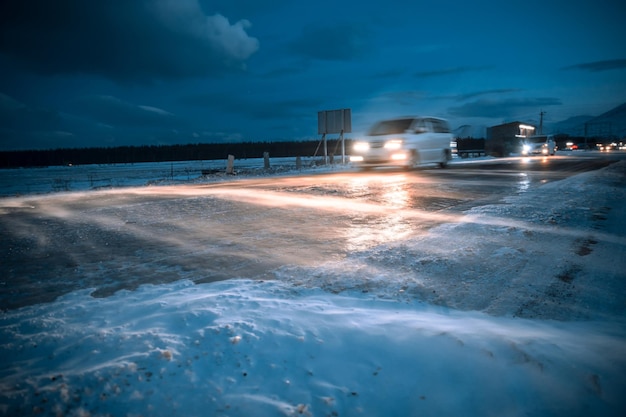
(539, 145)
(404, 142)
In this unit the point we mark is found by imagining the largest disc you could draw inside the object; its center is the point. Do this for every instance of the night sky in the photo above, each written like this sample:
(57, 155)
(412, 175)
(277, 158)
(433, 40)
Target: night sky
(84, 73)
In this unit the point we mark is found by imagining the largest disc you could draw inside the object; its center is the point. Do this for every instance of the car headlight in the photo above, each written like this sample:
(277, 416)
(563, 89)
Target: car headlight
(526, 148)
(393, 144)
(361, 146)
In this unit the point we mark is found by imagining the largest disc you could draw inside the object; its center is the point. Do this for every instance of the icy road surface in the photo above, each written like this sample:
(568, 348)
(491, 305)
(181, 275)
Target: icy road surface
(351, 227)
(494, 289)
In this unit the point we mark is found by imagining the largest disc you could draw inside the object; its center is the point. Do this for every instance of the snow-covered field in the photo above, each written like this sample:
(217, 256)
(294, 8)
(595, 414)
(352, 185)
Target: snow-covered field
(344, 338)
(94, 177)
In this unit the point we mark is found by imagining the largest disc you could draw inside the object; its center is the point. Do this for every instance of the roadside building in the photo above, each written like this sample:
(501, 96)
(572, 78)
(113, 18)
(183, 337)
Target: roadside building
(505, 139)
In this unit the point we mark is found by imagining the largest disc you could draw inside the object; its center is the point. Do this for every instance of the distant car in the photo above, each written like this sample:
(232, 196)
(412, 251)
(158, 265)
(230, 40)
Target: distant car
(584, 146)
(539, 145)
(606, 148)
(404, 142)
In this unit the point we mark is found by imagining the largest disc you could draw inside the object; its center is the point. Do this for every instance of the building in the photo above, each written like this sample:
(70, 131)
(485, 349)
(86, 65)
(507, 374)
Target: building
(504, 139)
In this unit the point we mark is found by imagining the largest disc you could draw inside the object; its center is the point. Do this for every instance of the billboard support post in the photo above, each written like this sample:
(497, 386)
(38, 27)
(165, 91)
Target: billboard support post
(334, 121)
(343, 149)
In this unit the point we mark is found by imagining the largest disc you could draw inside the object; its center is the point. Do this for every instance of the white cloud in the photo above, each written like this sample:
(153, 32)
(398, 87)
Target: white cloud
(155, 110)
(141, 41)
(233, 39)
(230, 39)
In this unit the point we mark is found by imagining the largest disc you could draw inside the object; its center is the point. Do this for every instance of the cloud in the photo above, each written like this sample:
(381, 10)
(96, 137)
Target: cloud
(408, 97)
(92, 120)
(8, 103)
(255, 109)
(598, 66)
(501, 108)
(243, 8)
(332, 43)
(219, 137)
(468, 96)
(15, 115)
(451, 71)
(112, 111)
(392, 74)
(284, 72)
(128, 41)
(23, 126)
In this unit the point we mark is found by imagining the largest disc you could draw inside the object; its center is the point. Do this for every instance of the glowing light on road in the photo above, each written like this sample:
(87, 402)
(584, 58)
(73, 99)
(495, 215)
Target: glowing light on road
(366, 231)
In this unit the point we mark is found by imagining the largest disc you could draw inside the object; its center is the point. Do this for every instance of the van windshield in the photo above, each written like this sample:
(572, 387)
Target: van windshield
(391, 127)
(536, 139)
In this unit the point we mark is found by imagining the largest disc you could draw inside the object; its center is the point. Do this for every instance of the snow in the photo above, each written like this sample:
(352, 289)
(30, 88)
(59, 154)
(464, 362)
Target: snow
(106, 176)
(344, 338)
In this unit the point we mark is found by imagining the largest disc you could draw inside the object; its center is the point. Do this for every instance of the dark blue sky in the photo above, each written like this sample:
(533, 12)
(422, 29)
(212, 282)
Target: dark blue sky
(79, 73)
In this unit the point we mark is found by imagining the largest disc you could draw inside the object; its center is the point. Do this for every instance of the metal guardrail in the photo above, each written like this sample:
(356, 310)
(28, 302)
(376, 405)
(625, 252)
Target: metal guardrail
(470, 153)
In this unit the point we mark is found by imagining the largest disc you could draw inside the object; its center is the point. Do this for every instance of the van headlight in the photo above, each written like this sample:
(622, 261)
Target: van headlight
(361, 146)
(525, 149)
(393, 145)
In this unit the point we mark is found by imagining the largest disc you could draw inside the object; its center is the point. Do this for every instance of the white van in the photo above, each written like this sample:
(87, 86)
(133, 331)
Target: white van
(404, 142)
(539, 145)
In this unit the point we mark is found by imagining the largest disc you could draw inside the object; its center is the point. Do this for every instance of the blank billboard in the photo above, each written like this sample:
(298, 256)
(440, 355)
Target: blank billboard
(334, 121)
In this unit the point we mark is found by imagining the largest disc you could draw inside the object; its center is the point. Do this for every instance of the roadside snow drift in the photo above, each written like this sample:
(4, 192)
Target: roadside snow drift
(265, 348)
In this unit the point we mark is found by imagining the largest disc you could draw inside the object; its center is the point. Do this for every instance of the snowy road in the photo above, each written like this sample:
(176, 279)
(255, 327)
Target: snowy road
(487, 289)
(250, 228)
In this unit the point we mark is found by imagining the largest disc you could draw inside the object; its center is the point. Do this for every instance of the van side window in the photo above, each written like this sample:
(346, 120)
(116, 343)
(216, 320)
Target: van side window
(439, 126)
(419, 126)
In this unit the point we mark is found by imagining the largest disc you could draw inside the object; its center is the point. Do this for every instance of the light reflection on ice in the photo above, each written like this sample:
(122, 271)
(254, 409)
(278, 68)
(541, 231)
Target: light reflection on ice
(364, 232)
(524, 183)
(392, 223)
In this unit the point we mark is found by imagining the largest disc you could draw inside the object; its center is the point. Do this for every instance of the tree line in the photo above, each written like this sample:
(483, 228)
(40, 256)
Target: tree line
(189, 152)
(162, 153)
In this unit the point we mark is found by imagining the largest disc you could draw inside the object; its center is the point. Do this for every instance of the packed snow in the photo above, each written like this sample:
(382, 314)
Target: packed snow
(343, 338)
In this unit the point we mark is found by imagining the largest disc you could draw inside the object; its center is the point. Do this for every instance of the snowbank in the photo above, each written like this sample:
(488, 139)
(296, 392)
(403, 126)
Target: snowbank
(266, 348)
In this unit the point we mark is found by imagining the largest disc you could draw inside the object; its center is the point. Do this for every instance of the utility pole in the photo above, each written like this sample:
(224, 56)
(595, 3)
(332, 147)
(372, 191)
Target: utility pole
(541, 113)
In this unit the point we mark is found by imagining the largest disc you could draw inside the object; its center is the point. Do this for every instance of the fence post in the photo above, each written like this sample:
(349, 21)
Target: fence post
(266, 160)
(230, 165)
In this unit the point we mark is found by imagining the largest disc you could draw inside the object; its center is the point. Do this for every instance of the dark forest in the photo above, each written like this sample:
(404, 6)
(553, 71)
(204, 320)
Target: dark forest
(164, 153)
(191, 152)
